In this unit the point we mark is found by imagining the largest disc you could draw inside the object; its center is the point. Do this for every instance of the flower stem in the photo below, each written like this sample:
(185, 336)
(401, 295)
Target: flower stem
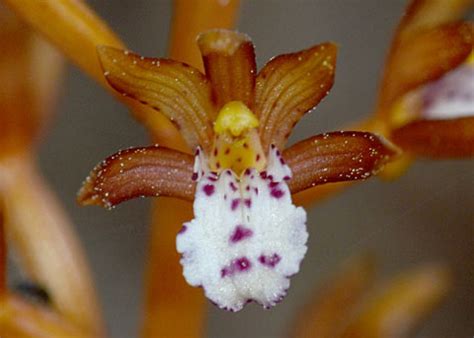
(45, 243)
(173, 308)
(3, 254)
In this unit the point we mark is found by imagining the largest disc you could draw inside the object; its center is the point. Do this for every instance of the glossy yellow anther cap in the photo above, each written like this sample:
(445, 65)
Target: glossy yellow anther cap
(235, 118)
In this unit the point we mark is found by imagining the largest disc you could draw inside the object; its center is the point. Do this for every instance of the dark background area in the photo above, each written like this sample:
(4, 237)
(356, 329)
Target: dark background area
(426, 215)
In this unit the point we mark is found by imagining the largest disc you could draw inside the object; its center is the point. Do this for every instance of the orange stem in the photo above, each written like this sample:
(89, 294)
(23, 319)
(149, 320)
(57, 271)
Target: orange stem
(173, 308)
(3, 255)
(46, 244)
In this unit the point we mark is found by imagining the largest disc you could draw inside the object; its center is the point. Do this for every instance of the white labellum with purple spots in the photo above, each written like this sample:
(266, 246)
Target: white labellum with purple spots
(247, 237)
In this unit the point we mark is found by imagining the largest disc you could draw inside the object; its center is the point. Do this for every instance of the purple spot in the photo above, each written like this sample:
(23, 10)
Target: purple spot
(282, 161)
(278, 153)
(247, 172)
(263, 174)
(257, 158)
(197, 151)
(273, 184)
(247, 188)
(240, 233)
(228, 172)
(212, 178)
(235, 203)
(277, 193)
(248, 202)
(183, 230)
(286, 178)
(208, 189)
(225, 272)
(270, 261)
(237, 265)
(242, 264)
(233, 186)
(194, 177)
(256, 191)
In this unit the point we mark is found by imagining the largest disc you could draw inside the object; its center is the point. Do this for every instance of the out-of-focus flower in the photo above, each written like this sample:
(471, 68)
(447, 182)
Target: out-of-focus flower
(247, 237)
(38, 230)
(426, 101)
(351, 305)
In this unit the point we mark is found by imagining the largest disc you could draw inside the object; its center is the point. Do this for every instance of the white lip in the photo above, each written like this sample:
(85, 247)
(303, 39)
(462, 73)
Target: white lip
(450, 97)
(247, 237)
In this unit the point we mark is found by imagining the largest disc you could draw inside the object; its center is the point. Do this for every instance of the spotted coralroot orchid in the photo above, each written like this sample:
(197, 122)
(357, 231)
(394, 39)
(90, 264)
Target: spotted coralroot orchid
(427, 92)
(247, 237)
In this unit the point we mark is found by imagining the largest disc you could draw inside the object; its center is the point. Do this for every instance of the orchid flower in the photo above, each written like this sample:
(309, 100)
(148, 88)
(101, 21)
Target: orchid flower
(247, 237)
(426, 98)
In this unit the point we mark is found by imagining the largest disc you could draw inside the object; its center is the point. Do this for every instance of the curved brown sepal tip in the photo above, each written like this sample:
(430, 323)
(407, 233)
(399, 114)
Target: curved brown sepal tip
(179, 91)
(336, 157)
(139, 172)
(229, 61)
(289, 86)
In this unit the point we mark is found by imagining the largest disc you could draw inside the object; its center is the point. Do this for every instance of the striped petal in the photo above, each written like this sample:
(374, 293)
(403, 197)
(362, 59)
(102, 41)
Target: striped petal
(177, 90)
(229, 60)
(139, 172)
(336, 157)
(289, 86)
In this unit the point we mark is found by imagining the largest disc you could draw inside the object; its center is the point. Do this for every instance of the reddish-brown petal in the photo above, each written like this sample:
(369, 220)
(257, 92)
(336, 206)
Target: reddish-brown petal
(289, 86)
(139, 172)
(229, 60)
(425, 57)
(336, 157)
(177, 90)
(437, 138)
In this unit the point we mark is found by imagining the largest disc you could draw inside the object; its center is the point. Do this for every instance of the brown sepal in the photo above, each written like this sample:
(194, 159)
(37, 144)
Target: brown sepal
(179, 91)
(289, 86)
(139, 172)
(437, 138)
(336, 157)
(425, 57)
(229, 60)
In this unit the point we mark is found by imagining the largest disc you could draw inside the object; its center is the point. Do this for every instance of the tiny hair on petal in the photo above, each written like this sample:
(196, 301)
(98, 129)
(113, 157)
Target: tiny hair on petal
(139, 172)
